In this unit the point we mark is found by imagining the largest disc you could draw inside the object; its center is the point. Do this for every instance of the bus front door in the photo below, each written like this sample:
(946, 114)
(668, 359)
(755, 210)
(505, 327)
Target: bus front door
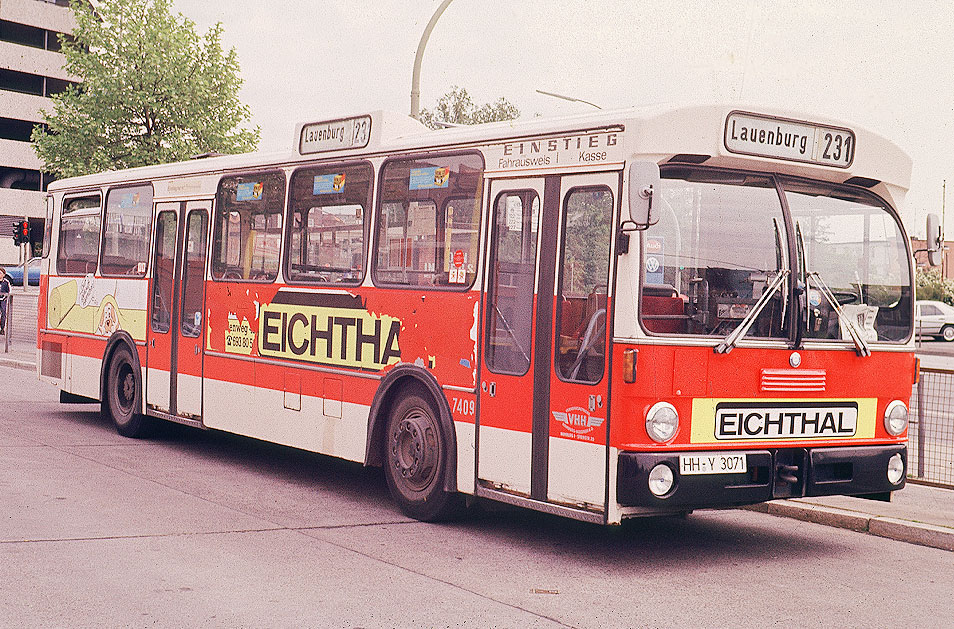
(176, 332)
(543, 423)
(579, 383)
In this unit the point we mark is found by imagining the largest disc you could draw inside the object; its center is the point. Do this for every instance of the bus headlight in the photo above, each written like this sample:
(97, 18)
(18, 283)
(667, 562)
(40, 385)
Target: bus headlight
(662, 422)
(660, 480)
(895, 470)
(896, 418)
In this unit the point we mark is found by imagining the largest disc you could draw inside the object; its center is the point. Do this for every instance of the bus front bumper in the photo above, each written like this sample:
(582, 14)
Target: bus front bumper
(703, 480)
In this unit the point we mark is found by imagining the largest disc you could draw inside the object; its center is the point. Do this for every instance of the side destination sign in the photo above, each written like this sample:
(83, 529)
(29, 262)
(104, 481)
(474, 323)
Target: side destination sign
(335, 135)
(792, 140)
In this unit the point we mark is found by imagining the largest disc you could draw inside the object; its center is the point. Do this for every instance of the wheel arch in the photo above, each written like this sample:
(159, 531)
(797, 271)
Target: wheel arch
(118, 339)
(399, 377)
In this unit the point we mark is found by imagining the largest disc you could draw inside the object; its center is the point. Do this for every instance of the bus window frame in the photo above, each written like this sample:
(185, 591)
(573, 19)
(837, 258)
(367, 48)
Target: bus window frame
(367, 219)
(561, 272)
(440, 215)
(97, 192)
(218, 206)
(102, 235)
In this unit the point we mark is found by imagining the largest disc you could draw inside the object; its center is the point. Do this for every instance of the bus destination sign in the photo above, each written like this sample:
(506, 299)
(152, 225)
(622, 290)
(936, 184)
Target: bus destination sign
(792, 140)
(335, 135)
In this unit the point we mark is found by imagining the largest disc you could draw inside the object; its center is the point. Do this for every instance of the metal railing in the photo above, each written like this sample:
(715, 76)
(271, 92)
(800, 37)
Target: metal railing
(931, 430)
(7, 320)
(21, 305)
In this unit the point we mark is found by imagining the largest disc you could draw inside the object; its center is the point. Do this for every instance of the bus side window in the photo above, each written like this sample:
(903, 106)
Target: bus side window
(78, 247)
(126, 233)
(429, 221)
(48, 227)
(327, 219)
(248, 227)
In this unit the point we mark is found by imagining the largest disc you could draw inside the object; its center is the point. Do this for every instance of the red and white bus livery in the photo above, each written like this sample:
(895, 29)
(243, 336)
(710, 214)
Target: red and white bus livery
(604, 316)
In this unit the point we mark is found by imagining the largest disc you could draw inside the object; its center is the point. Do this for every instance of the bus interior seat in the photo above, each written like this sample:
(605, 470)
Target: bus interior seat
(663, 309)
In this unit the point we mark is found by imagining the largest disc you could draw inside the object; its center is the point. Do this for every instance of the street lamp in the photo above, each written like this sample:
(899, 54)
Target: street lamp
(416, 75)
(569, 98)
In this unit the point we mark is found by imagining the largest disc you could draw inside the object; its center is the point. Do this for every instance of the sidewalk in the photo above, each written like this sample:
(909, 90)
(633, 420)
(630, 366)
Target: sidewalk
(22, 354)
(918, 514)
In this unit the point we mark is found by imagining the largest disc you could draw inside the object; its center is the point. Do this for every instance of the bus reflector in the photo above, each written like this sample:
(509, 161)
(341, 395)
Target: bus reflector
(629, 365)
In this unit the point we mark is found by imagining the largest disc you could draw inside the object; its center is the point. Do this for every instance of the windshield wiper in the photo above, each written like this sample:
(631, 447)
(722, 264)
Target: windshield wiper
(857, 336)
(736, 335)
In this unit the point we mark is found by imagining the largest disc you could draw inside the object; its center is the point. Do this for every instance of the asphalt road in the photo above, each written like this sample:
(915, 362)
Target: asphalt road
(195, 528)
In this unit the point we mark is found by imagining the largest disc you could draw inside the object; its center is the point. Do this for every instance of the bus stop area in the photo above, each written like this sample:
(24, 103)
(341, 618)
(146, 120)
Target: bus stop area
(922, 513)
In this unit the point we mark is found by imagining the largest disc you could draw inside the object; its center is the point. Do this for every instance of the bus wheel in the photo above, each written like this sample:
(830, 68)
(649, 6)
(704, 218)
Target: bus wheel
(416, 460)
(121, 401)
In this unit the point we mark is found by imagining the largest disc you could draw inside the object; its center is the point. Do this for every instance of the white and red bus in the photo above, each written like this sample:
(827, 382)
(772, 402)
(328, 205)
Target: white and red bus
(603, 316)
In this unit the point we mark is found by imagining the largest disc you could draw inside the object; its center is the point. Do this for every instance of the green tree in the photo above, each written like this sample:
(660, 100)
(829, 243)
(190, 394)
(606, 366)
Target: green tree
(930, 285)
(153, 91)
(457, 107)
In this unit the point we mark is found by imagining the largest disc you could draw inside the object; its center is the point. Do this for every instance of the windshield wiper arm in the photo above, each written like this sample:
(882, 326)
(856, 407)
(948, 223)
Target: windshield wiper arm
(857, 336)
(736, 335)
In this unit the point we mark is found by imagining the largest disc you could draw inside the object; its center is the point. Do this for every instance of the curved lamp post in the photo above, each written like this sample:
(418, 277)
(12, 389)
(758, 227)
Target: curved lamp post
(569, 98)
(416, 76)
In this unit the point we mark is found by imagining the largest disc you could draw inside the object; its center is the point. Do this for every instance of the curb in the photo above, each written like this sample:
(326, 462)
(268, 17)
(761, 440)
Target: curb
(892, 528)
(17, 364)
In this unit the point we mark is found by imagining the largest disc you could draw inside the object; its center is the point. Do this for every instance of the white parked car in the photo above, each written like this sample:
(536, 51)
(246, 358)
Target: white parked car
(935, 318)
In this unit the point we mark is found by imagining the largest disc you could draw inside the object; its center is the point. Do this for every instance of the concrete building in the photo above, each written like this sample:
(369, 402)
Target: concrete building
(31, 70)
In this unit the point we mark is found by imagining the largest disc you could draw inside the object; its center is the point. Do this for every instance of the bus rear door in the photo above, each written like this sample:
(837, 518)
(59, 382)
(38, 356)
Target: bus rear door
(177, 320)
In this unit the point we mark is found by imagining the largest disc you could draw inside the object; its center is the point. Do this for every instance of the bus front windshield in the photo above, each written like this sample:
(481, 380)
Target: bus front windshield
(719, 257)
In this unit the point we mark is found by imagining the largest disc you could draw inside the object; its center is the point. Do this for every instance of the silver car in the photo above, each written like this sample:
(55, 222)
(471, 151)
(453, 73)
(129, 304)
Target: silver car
(935, 318)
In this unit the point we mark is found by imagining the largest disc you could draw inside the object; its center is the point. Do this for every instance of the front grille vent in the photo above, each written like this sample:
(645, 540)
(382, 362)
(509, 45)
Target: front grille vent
(793, 380)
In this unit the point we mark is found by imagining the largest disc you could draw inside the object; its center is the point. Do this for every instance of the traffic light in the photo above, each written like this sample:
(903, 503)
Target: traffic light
(21, 232)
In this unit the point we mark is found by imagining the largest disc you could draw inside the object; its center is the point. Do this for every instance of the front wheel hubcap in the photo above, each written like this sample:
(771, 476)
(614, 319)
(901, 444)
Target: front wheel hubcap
(414, 450)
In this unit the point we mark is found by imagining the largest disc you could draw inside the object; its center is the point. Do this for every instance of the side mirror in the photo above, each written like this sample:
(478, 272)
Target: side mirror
(643, 184)
(935, 240)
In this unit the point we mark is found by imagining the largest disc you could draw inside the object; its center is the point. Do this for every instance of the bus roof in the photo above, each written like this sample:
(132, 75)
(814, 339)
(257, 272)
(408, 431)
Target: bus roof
(703, 133)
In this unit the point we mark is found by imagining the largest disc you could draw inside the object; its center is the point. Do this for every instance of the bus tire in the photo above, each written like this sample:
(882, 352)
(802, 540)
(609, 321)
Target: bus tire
(122, 395)
(416, 459)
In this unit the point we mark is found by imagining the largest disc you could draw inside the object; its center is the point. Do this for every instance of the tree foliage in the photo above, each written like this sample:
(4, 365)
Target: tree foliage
(153, 91)
(457, 107)
(930, 285)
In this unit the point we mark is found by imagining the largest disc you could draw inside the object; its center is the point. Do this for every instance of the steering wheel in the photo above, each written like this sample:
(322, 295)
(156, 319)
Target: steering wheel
(844, 297)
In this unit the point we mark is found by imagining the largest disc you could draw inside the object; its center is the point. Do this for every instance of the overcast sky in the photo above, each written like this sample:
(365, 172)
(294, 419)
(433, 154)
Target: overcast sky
(885, 65)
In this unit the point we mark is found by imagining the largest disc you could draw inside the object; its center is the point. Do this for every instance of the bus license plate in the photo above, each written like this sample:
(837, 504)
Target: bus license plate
(712, 463)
